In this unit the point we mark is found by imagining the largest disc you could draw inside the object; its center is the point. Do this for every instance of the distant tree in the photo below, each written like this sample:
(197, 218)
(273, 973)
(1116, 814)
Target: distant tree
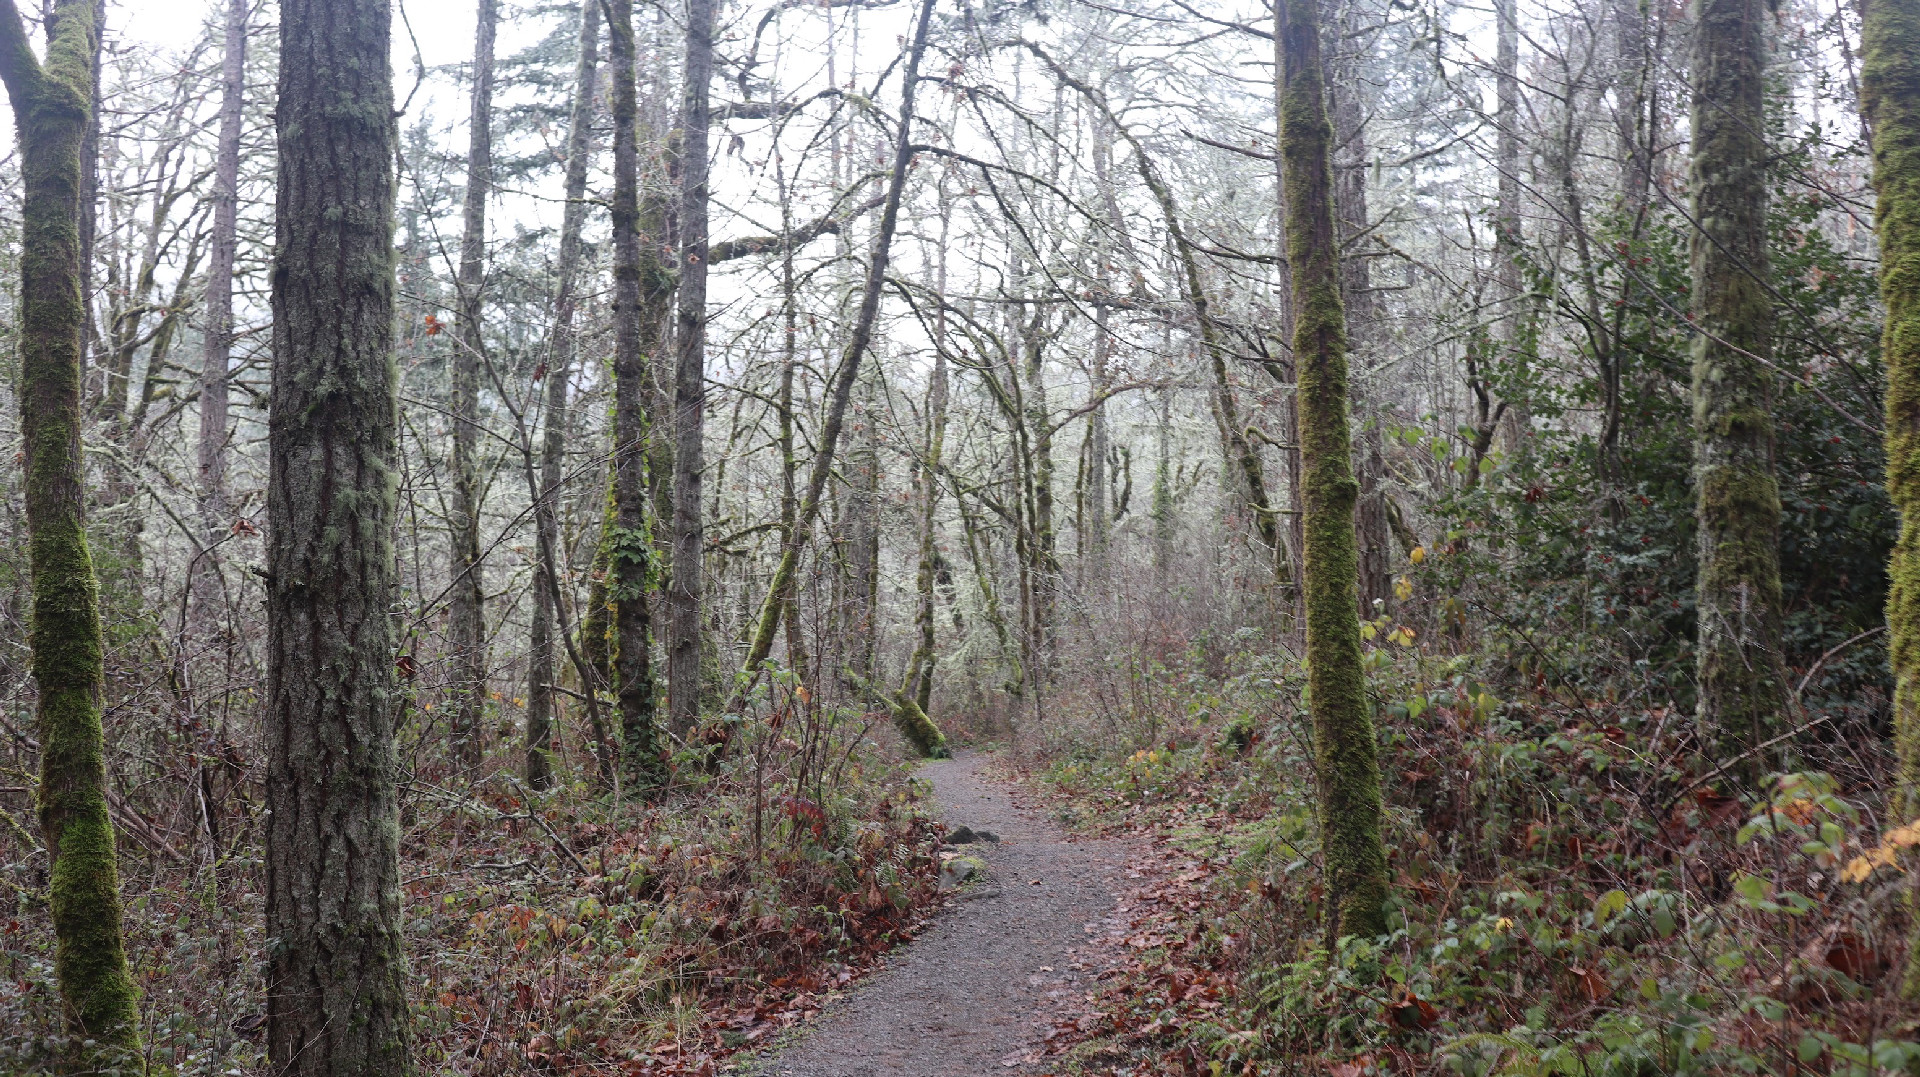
(466, 606)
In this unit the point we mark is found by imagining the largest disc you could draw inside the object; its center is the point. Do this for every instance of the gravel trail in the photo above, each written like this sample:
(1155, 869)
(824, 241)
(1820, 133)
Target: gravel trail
(972, 996)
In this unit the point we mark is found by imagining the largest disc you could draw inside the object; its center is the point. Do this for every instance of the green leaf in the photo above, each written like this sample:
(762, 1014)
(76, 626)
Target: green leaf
(1608, 905)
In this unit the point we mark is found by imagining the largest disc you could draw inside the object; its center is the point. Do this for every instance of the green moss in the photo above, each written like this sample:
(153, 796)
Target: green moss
(1737, 499)
(1890, 95)
(1346, 753)
(913, 724)
(51, 105)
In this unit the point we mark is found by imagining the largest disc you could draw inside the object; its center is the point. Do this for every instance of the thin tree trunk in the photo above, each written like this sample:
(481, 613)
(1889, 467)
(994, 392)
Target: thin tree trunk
(918, 684)
(206, 598)
(641, 288)
(1362, 307)
(553, 450)
(52, 103)
(689, 379)
(336, 974)
(1890, 95)
(1346, 757)
(861, 530)
(1741, 672)
(760, 643)
(466, 610)
(1515, 332)
(1161, 509)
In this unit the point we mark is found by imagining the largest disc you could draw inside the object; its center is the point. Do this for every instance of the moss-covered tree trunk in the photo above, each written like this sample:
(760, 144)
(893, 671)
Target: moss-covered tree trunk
(641, 289)
(1890, 94)
(336, 965)
(51, 104)
(1346, 756)
(541, 663)
(466, 602)
(1737, 503)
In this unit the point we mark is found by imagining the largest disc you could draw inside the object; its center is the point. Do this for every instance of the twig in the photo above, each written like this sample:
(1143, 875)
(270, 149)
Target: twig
(1822, 660)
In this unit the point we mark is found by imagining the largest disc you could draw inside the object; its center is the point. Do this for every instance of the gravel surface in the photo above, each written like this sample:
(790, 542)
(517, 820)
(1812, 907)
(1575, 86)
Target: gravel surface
(973, 995)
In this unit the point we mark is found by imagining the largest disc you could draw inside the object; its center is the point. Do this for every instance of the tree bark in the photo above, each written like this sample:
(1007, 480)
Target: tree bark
(1346, 756)
(217, 334)
(1361, 306)
(1741, 675)
(541, 658)
(52, 103)
(689, 379)
(466, 609)
(336, 966)
(642, 287)
(1890, 95)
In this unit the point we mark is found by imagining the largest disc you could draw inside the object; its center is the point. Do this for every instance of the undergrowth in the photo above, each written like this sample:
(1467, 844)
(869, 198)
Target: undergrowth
(1575, 891)
(560, 932)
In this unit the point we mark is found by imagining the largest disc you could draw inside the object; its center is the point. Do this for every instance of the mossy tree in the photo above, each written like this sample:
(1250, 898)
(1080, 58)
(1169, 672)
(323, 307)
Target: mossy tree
(1346, 755)
(1890, 95)
(642, 289)
(1737, 498)
(52, 102)
(335, 960)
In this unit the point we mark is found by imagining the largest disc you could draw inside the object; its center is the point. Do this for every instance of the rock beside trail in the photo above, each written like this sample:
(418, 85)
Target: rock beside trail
(968, 836)
(960, 869)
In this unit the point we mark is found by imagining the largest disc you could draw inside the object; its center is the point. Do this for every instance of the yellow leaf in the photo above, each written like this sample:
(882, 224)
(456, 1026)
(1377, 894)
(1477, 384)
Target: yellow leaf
(1403, 588)
(1418, 554)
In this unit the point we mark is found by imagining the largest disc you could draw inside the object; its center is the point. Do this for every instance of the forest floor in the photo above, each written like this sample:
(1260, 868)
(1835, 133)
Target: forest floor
(1013, 960)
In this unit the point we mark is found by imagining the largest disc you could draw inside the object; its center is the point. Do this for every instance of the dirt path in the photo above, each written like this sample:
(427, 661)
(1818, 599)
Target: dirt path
(972, 996)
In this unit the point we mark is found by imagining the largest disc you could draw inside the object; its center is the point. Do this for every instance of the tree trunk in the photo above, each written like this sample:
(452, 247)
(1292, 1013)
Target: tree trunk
(1515, 331)
(689, 378)
(51, 107)
(760, 643)
(206, 596)
(1346, 757)
(541, 661)
(641, 289)
(466, 610)
(1741, 675)
(860, 530)
(1890, 94)
(336, 972)
(918, 684)
(1361, 306)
